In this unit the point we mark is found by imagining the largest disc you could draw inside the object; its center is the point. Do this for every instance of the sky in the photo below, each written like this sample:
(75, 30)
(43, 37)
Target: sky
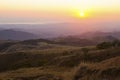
(56, 11)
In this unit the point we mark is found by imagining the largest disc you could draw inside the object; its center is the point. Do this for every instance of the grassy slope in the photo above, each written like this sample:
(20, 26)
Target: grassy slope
(59, 63)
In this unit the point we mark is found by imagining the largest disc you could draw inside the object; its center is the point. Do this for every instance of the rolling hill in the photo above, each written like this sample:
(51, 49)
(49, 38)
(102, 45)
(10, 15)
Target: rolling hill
(10, 34)
(42, 59)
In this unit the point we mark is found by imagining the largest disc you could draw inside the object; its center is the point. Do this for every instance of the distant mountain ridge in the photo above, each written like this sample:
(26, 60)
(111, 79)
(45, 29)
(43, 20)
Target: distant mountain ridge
(15, 34)
(53, 30)
(100, 34)
(90, 38)
(10, 34)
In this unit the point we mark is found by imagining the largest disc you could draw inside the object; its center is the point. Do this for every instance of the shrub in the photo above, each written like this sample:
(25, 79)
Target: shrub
(104, 45)
(85, 51)
(116, 43)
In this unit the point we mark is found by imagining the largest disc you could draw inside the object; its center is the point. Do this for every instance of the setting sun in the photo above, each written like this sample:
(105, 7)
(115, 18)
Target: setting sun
(82, 14)
(45, 11)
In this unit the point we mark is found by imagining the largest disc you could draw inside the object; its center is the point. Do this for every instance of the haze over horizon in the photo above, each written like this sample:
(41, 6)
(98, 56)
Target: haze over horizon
(78, 15)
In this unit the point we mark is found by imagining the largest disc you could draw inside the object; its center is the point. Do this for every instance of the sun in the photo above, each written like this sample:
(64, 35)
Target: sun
(81, 14)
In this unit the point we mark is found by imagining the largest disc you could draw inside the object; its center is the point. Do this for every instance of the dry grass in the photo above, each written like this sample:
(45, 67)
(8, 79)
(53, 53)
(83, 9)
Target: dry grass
(59, 63)
(108, 69)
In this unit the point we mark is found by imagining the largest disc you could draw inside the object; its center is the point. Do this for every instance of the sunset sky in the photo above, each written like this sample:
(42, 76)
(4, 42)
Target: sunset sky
(52, 11)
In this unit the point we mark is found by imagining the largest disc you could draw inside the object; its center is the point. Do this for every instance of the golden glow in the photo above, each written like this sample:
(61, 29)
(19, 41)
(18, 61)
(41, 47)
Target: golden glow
(64, 4)
(47, 9)
(82, 14)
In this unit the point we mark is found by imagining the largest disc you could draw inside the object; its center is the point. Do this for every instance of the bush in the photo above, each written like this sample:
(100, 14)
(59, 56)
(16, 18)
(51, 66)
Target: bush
(104, 45)
(116, 43)
(85, 51)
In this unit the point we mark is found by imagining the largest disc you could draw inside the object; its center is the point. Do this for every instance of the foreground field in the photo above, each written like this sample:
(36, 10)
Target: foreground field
(25, 61)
